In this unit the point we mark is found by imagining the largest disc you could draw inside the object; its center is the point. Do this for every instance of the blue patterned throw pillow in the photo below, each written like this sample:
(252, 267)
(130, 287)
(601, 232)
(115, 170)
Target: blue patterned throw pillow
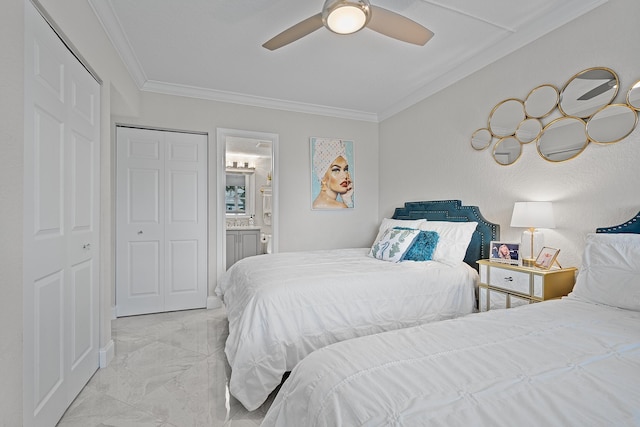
(393, 244)
(422, 247)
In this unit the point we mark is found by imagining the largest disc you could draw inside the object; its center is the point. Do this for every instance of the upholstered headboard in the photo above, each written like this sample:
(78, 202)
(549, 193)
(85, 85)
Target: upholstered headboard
(453, 211)
(630, 226)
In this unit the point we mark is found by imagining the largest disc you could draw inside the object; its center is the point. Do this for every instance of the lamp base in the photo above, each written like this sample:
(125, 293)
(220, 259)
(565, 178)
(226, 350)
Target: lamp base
(529, 262)
(530, 246)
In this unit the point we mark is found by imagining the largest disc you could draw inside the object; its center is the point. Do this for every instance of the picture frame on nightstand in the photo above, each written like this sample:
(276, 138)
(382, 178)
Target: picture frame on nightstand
(547, 257)
(505, 252)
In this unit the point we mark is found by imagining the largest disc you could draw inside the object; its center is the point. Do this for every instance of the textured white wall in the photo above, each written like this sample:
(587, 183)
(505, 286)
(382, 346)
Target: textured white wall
(425, 152)
(300, 228)
(11, 171)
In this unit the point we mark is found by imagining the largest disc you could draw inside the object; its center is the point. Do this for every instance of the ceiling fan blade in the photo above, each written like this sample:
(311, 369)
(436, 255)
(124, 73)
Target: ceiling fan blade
(294, 33)
(391, 24)
(604, 87)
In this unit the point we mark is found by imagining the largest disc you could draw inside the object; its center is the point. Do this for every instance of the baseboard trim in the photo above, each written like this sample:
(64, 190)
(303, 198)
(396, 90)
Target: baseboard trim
(213, 302)
(106, 354)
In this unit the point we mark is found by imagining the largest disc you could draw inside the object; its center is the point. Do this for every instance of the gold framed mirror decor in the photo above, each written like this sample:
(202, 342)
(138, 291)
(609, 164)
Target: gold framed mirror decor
(505, 117)
(588, 91)
(481, 139)
(562, 139)
(612, 123)
(528, 130)
(507, 150)
(633, 96)
(541, 101)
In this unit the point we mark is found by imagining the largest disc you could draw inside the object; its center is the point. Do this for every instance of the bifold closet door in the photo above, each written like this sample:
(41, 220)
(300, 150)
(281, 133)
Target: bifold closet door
(61, 224)
(161, 221)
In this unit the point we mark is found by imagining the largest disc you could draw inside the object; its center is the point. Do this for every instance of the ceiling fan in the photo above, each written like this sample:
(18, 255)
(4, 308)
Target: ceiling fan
(350, 16)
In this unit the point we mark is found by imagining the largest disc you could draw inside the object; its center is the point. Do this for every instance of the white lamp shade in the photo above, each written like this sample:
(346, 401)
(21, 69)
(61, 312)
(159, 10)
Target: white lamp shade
(533, 215)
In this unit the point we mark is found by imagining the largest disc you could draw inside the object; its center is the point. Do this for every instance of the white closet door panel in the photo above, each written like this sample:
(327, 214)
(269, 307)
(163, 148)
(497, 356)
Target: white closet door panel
(61, 186)
(161, 221)
(48, 174)
(183, 266)
(183, 197)
(140, 233)
(186, 221)
(144, 272)
(144, 197)
(49, 336)
(82, 314)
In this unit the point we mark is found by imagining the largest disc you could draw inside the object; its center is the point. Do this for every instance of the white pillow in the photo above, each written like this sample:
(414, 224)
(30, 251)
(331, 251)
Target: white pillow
(610, 272)
(453, 241)
(388, 223)
(393, 244)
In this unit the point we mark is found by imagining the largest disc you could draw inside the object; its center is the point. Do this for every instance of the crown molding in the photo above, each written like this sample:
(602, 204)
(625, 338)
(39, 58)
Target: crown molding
(256, 101)
(112, 26)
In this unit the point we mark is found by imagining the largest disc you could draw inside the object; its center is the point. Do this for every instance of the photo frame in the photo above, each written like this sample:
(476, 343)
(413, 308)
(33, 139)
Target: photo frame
(547, 257)
(505, 252)
(332, 173)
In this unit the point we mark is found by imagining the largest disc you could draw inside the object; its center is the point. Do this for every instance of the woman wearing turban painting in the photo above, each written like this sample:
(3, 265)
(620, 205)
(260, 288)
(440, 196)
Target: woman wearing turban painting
(332, 171)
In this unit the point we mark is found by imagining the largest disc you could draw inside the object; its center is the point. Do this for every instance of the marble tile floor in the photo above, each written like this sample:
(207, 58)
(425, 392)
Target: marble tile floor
(169, 370)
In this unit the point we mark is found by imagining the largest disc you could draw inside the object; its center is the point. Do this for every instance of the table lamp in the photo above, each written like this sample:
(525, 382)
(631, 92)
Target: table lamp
(532, 215)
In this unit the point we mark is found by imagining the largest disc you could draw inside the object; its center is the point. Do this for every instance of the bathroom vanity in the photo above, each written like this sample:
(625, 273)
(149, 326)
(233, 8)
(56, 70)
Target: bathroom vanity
(242, 242)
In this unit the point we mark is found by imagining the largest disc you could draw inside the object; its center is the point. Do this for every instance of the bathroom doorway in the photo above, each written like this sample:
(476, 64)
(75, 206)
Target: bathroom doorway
(247, 195)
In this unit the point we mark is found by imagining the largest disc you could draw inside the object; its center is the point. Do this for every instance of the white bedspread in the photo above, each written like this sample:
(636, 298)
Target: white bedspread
(557, 363)
(281, 307)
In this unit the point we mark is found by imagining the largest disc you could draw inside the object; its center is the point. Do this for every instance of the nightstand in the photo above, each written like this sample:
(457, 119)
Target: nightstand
(507, 286)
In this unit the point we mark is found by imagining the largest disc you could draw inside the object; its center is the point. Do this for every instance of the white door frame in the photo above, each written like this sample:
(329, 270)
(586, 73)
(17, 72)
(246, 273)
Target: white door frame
(221, 136)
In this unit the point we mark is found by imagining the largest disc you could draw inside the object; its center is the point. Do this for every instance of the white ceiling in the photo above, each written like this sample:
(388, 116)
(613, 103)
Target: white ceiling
(212, 49)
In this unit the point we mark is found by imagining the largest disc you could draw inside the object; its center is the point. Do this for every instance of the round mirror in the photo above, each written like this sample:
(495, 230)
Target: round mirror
(588, 91)
(528, 130)
(611, 123)
(541, 101)
(633, 96)
(481, 139)
(505, 117)
(562, 139)
(507, 151)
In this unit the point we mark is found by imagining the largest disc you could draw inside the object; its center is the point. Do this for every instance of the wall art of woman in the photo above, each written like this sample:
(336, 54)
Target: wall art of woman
(332, 180)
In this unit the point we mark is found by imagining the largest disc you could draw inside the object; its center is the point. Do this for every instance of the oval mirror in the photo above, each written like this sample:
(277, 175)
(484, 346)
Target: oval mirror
(505, 117)
(588, 91)
(507, 151)
(481, 139)
(528, 130)
(611, 123)
(541, 101)
(633, 96)
(562, 139)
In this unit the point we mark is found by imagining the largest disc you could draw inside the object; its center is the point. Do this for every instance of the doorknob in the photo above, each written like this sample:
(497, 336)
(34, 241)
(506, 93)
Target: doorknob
(139, 232)
(86, 247)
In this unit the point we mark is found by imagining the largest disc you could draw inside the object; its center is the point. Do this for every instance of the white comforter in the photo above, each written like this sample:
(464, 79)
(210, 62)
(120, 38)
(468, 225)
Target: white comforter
(281, 307)
(557, 363)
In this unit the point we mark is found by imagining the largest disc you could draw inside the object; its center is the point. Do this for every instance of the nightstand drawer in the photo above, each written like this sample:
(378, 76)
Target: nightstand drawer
(492, 299)
(510, 280)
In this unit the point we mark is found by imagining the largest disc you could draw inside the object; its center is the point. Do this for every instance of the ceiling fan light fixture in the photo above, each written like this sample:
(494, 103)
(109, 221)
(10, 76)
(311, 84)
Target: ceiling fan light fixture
(345, 16)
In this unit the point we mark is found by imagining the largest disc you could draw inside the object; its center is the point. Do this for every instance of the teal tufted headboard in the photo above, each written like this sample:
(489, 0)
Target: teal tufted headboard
(453, 211)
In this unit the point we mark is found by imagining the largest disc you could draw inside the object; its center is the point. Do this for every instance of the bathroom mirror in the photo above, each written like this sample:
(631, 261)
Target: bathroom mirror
(611, 123)
(507, 151)
(633, 96)
(528, 130)
(562, 139)
(588, 91)
(541, 101)
(505, 117)
(481, 139)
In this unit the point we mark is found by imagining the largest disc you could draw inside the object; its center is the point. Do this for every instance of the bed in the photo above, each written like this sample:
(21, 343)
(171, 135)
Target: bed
(283, 306)
(572, 361)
